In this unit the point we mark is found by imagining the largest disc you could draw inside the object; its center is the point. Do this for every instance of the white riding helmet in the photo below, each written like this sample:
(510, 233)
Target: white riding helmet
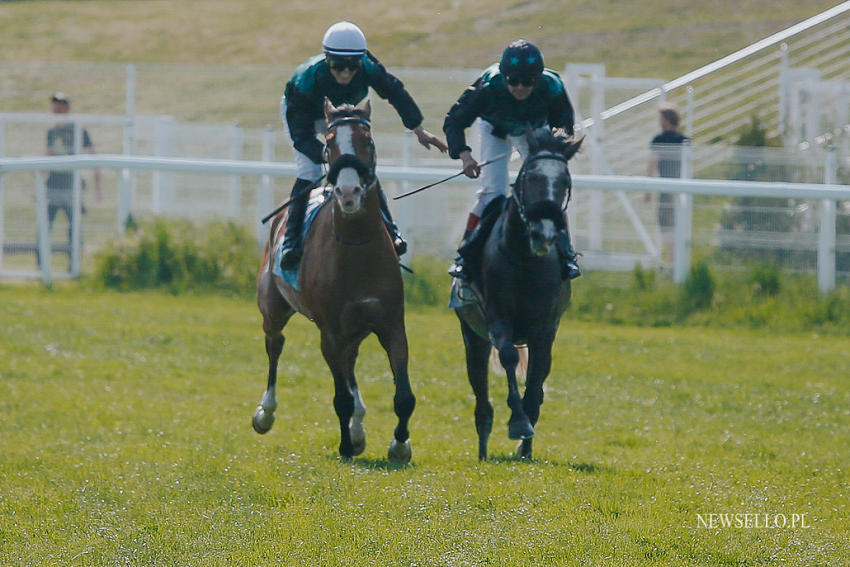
(344, 39)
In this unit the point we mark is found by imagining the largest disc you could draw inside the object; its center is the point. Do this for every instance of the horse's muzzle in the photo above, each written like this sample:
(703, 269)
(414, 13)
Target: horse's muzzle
(541, 236)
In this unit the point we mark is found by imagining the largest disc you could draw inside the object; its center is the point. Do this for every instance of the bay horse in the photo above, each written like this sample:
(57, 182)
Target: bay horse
(521, 293)
(349, 285)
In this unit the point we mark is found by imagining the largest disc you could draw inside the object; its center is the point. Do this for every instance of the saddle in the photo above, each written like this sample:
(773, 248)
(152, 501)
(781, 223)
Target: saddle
(318, 198)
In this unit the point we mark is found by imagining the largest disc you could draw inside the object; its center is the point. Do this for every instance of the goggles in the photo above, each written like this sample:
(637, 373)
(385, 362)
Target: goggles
(524, 81)
(338, 63)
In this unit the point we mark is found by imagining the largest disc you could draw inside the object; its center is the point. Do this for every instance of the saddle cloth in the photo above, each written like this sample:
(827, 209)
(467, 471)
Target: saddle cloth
(318, 197)
(466, 299)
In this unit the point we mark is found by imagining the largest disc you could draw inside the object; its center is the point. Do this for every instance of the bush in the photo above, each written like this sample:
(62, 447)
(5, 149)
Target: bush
(765, 279)
(178, 256)
(698, 290)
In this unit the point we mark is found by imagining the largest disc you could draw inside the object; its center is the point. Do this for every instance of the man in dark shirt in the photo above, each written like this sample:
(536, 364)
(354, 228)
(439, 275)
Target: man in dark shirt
(60, 142)
(510, 97)
(666, 160)
(343, 73)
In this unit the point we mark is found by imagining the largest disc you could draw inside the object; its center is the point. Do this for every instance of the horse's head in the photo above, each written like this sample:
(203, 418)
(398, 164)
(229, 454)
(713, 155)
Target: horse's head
(543, 185)
(351, 154)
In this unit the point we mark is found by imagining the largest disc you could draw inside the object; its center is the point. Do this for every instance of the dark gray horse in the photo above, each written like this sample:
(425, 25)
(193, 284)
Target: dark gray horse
(522, 295)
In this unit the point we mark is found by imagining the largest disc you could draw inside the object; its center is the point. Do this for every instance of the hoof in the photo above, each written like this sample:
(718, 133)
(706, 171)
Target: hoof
(358, 443)
(520, 430)
(400, 452)
(521, 452)
(262, 421)
(358, 438)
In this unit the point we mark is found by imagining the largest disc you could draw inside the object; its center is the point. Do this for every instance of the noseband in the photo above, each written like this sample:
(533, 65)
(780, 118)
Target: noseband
(546, 209)
(366, 172)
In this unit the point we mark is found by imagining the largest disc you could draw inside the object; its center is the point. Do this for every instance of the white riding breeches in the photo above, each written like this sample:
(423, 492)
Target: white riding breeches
(494, 177)
(305, 167)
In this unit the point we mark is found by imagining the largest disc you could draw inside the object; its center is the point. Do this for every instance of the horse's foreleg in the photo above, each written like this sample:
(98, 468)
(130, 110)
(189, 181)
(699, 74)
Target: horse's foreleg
(539, 365)
(394, 341)
(477, 356)
(343, 397)
(356, 429)
(519, 426)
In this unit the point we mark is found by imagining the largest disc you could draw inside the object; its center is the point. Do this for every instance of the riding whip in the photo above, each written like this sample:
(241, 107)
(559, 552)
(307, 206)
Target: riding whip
(488, 162)
(315, 184)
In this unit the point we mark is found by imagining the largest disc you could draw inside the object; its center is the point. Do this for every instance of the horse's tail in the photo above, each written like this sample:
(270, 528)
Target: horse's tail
(522, 367)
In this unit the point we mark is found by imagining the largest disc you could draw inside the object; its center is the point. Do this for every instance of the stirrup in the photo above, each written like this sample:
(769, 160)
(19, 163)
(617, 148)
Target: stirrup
(570, 270)
(456, 270)
(400, 244)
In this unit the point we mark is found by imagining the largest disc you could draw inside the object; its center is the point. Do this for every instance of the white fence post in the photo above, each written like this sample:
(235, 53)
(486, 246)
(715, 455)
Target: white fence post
(265, 197)
(45, 250)
(2, 194)
(125, 184)
(826, 232)
(682, 222)
(597, 105)
(75, 244)
(236, 181)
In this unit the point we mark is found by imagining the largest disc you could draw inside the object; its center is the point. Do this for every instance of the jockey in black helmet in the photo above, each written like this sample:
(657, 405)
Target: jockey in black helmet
(343, 73)
(509, 97)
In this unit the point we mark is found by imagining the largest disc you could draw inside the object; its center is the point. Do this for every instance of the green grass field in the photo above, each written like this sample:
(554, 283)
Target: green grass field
(125, 439)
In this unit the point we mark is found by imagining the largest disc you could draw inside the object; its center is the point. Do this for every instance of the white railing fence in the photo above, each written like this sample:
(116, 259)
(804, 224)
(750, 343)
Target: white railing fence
(432, 220)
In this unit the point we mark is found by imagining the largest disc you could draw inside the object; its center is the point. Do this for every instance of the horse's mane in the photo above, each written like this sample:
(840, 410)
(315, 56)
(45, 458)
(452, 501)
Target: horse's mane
(543, 139)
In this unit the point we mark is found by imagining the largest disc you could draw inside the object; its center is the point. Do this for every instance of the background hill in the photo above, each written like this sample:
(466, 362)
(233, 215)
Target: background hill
(658, 38)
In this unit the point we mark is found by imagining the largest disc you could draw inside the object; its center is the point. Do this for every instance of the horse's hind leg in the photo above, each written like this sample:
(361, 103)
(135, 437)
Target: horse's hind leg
(477, 358)
(276, 313)
(394, 342)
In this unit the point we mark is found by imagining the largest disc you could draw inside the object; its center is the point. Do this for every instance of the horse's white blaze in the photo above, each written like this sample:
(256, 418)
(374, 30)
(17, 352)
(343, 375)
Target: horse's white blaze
(348, 179)
(551, 169)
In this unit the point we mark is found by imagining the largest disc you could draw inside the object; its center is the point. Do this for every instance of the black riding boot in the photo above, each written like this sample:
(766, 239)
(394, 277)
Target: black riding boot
(292, 245)
(399, 243)
(569, 267)
(469, 251)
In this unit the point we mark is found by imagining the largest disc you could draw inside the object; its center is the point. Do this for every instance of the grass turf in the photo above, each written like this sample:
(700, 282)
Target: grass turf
(126, 439)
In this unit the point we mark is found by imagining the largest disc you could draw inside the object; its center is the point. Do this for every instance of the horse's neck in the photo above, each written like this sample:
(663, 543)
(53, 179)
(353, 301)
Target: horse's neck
(513, 233)
(365, 225)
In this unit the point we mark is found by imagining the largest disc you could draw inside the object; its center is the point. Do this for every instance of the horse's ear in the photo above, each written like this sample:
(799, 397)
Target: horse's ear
(330, 109)
(366, 106)
(572, 148)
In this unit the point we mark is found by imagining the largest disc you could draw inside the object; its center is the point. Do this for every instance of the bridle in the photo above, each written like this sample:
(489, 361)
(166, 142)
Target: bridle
(365, 171)
(541, 209)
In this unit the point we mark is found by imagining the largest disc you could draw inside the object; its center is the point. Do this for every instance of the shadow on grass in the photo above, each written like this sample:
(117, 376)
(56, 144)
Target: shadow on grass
(369, 463)
(587, 468)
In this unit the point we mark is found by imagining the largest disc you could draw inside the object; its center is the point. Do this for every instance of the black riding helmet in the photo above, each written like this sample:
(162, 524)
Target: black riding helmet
(521, 59)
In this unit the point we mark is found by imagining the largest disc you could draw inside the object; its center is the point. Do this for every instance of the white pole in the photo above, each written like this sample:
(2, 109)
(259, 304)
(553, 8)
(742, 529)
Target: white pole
(76, 209)
(2, 194)
(125, 186)
(682, 221)
(826, 234)
(237, 142)
(597, 105)
(265, 198)
(403, 210)
(44, 247)
(784, 89)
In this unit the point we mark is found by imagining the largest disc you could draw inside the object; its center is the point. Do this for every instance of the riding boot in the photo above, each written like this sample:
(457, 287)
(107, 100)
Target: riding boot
(569, 267)
(469, 252)
(292, 245)
(399, 243)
